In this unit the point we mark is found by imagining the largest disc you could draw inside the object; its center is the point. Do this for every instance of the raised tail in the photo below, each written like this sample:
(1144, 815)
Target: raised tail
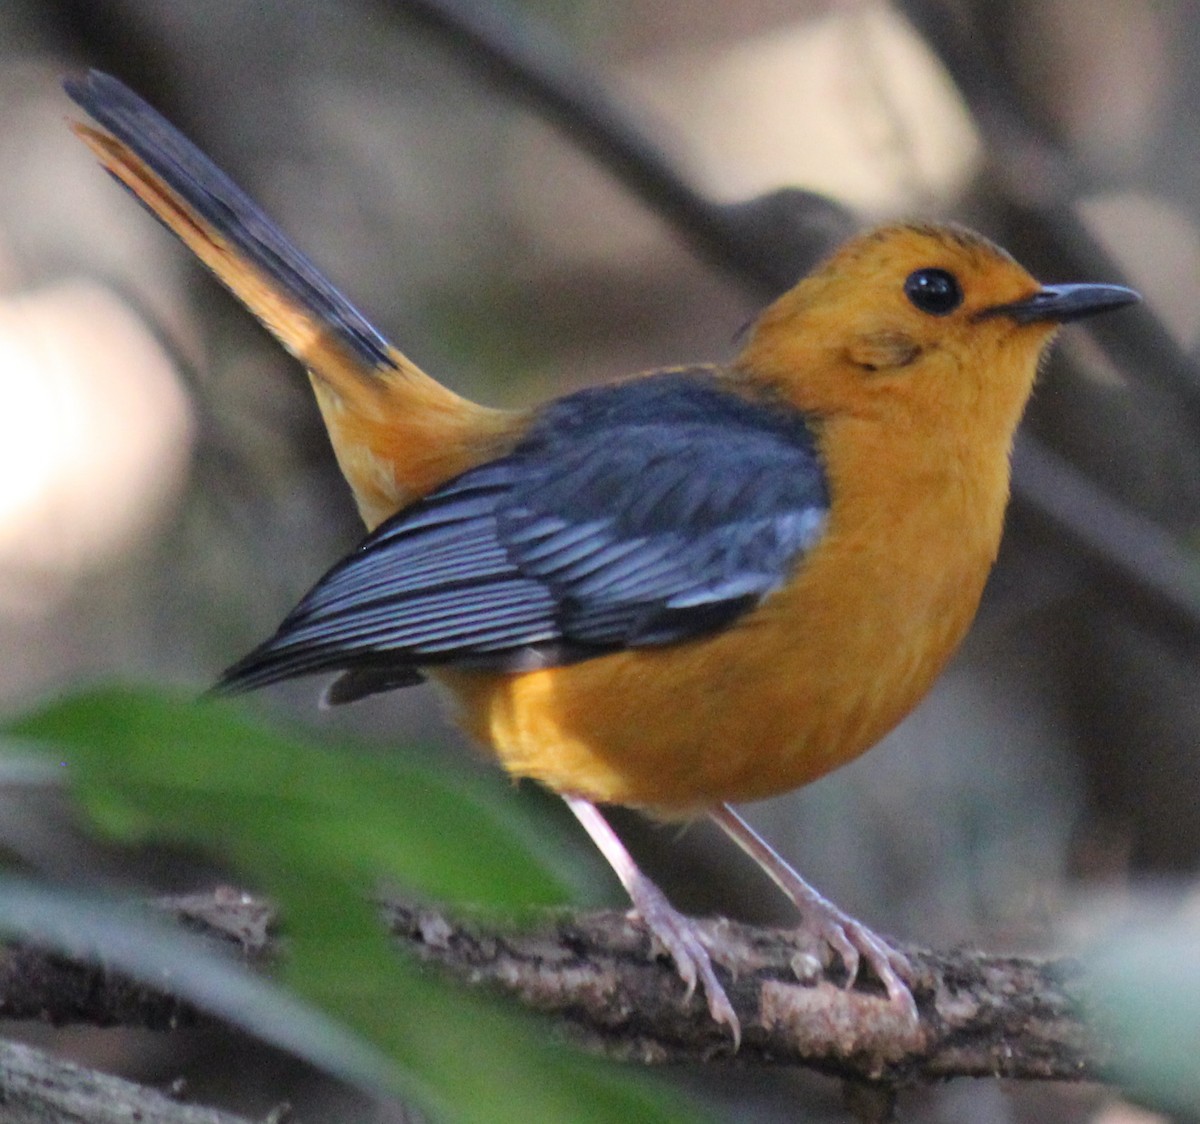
(220, 224)
(397, 432)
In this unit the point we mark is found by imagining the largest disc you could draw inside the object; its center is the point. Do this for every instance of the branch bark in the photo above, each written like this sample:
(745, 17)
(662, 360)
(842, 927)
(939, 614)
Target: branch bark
(980, 1015)
(598, 974)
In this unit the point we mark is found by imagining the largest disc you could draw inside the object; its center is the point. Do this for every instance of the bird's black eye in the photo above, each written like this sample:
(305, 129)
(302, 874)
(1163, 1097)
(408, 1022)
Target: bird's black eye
(934, 291)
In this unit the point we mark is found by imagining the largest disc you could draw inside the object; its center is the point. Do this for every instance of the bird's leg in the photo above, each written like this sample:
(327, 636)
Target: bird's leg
(849, 938)
(678, 934)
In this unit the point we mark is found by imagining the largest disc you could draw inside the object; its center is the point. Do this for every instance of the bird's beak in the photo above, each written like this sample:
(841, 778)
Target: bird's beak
(1060, 303)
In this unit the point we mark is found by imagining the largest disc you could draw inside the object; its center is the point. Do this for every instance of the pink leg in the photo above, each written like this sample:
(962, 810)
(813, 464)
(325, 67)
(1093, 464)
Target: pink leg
(675, 932)
(850, 939)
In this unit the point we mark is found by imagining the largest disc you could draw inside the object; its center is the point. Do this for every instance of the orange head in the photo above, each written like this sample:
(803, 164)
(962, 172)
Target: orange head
(918, 323)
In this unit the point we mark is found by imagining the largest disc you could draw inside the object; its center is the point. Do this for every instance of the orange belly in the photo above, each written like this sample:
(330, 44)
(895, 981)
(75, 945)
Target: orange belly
(808, 681)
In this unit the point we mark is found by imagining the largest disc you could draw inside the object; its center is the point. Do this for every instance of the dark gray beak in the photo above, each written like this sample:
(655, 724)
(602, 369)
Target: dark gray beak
(1060, 303)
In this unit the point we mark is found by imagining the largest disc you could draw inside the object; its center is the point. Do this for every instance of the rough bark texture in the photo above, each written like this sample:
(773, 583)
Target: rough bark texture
(597, 973)
(980, 1015)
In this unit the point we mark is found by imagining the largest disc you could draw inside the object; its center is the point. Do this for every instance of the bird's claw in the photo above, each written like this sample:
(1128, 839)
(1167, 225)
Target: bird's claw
(855, 943)
(683, 941)
(851, 940)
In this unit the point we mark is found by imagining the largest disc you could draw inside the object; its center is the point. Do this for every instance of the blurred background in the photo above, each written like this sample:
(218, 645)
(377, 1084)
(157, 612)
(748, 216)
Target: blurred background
(167, 491)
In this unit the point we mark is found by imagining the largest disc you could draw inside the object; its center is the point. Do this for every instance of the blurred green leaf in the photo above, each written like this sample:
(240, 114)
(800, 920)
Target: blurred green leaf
(152, 765)
(318, 826)
(1147, 994)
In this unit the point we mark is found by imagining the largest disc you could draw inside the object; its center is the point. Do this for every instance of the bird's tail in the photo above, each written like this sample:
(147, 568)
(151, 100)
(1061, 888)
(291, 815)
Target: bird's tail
(396, 431)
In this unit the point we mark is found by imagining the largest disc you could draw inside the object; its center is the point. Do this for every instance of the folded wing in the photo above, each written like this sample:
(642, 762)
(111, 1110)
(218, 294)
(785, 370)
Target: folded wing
(643, 513)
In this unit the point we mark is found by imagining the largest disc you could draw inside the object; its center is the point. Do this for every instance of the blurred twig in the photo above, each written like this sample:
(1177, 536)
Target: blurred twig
(36, 1088)
(767, 242)
(1119, 540)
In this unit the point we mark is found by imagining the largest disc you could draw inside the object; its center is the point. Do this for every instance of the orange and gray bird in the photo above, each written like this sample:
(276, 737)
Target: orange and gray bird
(695, 587)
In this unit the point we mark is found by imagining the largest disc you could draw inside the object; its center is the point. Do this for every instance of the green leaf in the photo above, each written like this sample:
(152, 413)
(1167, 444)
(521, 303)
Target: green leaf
(318, 827)
(155, 765)
(1147, 994)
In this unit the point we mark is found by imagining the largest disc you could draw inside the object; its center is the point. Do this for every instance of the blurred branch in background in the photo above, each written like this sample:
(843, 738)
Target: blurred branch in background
(1042, 187)
(767, 242)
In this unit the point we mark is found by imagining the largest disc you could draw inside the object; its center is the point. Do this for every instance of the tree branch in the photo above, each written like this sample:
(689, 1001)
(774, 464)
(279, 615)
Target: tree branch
(1116, 538)
(980, 1015)
(1041, 184)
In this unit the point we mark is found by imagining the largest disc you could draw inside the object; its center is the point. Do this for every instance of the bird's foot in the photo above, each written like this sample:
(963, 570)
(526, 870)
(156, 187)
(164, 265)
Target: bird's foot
(855, 944)
(680, 936)
(684, 942)
(850, 939)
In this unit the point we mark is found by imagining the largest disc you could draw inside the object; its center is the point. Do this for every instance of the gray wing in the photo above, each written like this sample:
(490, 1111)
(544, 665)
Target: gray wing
(639, 514)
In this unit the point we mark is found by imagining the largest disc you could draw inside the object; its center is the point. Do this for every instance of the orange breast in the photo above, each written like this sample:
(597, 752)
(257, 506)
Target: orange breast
(810, 679)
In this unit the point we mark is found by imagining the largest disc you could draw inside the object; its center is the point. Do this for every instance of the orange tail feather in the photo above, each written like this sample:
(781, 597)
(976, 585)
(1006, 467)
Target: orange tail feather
(397, 432)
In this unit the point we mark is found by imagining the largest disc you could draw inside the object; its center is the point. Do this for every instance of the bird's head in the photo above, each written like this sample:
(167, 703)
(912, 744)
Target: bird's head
(925, 323)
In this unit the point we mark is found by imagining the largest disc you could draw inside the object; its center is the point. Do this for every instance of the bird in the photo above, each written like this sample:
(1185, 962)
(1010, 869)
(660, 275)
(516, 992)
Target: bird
(691, 588)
